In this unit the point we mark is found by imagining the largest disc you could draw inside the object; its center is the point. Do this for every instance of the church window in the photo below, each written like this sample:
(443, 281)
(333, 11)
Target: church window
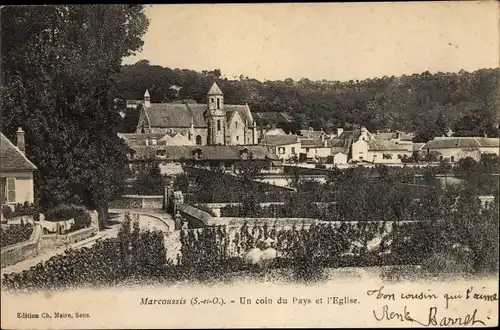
(218, 125)
(198, 140)
(211, 100)
(237, 138)
(218, 103)
(236, 124)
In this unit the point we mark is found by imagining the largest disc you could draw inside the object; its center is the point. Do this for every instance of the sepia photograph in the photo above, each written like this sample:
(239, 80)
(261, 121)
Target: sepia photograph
(250, 165)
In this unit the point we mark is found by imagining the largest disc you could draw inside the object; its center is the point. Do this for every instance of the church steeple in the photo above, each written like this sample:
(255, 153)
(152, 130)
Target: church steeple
(147, 99)
(215, 98)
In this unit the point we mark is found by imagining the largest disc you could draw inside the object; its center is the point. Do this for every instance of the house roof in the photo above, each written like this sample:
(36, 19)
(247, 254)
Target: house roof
(208, 152)
(279, 140)
(313, 143)
(275, 131)
(12, 159)
(461, 142)
(139, 139)
(311, 134)
(350, 135)
(394, 135)
(417, 146)
(337, 143)
(384, 145)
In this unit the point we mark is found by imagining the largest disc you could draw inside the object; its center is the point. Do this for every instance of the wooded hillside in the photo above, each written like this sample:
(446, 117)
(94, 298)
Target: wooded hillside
(424, 103)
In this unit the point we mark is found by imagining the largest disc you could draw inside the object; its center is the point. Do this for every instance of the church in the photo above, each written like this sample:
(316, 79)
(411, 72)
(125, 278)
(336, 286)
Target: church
(213, 123)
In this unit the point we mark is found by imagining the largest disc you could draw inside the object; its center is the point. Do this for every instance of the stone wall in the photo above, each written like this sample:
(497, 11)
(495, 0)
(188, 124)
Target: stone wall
(138, 202)
(21, 251)
(54, 241)
(196, 217)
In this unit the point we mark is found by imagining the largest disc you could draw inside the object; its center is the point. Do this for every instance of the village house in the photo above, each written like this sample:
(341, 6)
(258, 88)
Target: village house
(286, 147)
(269, 131)
(213, 123)
(362, 146)
(16, 171)
(315, 148)
(310, 133)
(454, 148)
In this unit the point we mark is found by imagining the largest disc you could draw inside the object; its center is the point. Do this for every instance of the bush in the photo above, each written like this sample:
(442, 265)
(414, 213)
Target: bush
(20, 210)
(65, 212)
(15, 234)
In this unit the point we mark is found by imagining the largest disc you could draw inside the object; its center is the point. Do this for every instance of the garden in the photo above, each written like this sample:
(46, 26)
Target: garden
(464, 240)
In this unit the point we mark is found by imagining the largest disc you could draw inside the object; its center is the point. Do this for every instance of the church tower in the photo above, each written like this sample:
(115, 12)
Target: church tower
(216, 116)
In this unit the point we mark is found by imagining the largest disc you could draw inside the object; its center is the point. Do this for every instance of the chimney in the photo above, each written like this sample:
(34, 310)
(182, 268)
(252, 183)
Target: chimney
(273, 126)
(21, 144)
(322, 137)
(339, 131)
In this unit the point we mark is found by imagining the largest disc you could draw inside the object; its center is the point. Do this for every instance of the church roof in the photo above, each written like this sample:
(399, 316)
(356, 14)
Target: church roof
(11, 158)
(164, 115)
(215, 90)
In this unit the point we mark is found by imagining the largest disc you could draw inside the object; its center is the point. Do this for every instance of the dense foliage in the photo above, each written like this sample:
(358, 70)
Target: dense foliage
(149, 181)
(133, 254)
(424, 103)
(15, 234)
(65, 212)
(205, 186)
(58, 63)
(21, 209)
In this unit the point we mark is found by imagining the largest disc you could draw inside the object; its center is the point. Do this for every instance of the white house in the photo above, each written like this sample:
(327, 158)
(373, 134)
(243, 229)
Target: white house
(315, 148)
(340, 158)
(284, 146)
(455, 148)
(16, 172)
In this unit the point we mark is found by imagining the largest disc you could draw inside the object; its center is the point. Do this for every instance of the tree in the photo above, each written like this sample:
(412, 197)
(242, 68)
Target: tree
(150, 181)
(58, 66)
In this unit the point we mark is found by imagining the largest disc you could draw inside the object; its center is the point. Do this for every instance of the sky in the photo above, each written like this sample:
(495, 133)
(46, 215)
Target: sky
(333, 41)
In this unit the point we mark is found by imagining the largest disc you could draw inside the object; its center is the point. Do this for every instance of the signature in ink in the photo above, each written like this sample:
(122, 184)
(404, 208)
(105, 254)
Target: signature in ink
(433, 318)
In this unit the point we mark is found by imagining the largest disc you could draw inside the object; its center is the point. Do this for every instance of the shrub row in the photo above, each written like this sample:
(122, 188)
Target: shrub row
(20, 210)
(65, 212)
(15, 234)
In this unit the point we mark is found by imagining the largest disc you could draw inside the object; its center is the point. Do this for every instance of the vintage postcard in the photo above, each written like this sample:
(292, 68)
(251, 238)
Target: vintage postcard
(287, 165)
